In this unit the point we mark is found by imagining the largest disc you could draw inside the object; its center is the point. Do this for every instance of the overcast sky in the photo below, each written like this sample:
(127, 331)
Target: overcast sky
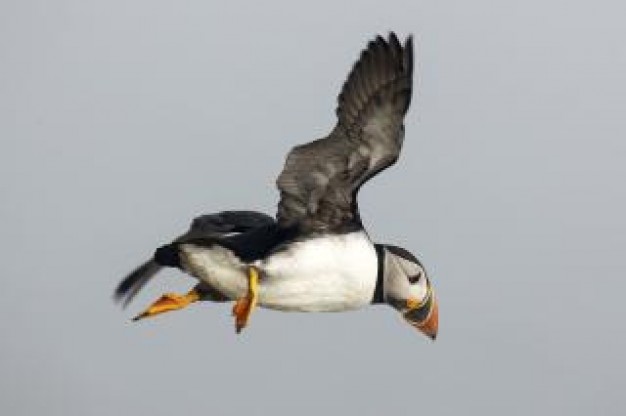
(121, 120)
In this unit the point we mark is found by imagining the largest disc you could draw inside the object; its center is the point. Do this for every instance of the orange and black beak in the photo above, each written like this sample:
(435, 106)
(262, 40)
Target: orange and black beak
(425, 316)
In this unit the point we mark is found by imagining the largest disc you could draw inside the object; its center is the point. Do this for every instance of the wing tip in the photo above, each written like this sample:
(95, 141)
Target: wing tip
(382, 61)
(408, 54)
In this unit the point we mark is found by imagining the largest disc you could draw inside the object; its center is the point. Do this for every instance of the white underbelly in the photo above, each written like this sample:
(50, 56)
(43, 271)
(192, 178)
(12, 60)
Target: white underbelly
(330, 273)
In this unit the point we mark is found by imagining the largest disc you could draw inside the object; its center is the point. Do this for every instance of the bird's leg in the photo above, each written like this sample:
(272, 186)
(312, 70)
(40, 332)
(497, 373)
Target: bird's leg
(169, 302)
(244, 306)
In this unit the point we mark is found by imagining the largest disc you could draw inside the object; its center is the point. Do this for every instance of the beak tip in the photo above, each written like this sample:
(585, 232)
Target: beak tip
(430, 325)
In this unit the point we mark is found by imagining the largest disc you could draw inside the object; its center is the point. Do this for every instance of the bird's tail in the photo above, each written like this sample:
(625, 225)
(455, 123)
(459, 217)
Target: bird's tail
(132, 284)
(207, 226)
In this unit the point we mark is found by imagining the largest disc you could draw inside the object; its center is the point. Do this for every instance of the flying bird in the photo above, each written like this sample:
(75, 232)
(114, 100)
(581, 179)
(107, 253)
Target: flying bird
(315, 256)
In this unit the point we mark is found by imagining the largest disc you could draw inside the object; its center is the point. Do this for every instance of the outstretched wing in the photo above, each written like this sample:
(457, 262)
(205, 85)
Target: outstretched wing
(320, 180)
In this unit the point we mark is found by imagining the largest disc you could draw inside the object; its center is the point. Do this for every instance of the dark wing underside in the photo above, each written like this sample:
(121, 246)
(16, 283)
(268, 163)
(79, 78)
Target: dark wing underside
(320, 180)
(226, 222)
(210, 226)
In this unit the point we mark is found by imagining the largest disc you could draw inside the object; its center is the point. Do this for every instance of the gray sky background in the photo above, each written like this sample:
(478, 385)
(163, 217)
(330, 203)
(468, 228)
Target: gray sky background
(121, 120)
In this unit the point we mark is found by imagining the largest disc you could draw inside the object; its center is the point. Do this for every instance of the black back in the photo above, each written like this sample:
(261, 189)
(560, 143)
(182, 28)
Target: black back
(253, 244)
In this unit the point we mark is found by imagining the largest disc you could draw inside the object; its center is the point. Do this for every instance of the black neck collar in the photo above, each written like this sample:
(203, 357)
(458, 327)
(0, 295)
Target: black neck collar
(379, 296)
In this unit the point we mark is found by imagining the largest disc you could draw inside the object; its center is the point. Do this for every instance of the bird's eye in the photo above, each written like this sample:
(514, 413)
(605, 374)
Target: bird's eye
(416, 277)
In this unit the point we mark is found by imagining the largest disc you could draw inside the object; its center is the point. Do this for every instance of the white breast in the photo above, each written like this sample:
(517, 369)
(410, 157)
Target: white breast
(329, 273)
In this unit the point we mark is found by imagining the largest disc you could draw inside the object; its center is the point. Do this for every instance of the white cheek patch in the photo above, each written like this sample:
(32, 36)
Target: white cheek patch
(420, 290)
(410, 268)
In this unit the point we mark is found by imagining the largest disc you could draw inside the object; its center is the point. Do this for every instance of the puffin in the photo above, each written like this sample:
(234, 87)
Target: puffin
(315, 254)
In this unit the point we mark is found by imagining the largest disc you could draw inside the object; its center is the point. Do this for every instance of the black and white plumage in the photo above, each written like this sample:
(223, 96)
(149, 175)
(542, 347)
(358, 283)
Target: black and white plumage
(316, 256)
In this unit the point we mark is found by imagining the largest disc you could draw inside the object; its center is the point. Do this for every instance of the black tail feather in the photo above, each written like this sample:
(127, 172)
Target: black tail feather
(137, 279)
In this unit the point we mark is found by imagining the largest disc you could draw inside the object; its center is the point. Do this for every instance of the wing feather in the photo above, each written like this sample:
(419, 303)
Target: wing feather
(320, 180)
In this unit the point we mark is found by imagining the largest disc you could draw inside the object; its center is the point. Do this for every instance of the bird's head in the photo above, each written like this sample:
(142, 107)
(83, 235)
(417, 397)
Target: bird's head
(407, 288)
